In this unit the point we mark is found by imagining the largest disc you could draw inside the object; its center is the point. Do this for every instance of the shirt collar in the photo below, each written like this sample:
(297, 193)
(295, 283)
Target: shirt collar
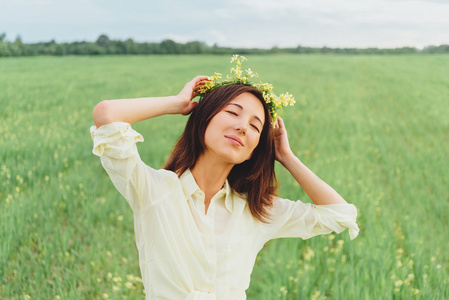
(188, 184)
(189, 187)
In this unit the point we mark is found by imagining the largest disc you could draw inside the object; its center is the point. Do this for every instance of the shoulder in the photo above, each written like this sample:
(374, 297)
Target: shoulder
(279, 205)
(162, 176)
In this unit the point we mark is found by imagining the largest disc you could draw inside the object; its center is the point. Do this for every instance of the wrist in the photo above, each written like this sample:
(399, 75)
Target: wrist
(175, 105)
(285, 157)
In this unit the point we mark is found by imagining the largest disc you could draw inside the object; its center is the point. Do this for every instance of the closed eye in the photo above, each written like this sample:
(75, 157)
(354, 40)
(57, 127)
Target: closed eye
(231, 112)
(255, 127)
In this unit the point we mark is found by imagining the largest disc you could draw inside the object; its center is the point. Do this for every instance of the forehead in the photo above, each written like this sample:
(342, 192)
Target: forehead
(250, 103)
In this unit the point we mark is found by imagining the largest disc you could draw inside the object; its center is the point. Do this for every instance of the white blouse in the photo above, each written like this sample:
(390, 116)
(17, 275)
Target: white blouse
(185, 253)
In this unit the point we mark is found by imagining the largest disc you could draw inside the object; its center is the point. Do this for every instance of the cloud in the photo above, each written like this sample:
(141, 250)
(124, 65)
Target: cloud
(235, 23)
(53, 11)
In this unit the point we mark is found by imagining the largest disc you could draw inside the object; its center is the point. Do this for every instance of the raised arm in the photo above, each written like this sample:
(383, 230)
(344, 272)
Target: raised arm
(319, 191)
(134, 110)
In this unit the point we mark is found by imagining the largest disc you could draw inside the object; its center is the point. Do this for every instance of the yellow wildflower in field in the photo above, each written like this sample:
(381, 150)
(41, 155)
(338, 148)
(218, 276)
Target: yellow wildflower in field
(308, 253)
(130, 277)
(9, 198)
(316, 295)
(105, 296)
(129, 285)
(398, 283)
(283, 290)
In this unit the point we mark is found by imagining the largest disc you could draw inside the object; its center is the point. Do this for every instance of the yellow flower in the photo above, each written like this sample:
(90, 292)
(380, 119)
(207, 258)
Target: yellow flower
(130, 277)
(236, 76)
(309, 254)
(215, 77)
(249, 73)
(129, 285)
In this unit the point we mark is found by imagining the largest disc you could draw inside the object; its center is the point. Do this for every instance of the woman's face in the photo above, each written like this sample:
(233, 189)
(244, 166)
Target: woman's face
(234, 132)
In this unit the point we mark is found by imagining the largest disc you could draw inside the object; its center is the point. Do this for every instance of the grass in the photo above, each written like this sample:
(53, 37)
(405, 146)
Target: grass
(374, 127)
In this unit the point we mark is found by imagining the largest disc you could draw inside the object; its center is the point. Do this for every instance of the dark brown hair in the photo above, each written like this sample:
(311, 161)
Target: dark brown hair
(254, 178)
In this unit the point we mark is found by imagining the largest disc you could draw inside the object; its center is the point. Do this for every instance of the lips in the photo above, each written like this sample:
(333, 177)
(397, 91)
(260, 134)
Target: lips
(234, 139)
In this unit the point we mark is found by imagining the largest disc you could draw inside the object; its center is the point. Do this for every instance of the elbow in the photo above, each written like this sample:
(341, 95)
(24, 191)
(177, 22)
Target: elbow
(101, 114)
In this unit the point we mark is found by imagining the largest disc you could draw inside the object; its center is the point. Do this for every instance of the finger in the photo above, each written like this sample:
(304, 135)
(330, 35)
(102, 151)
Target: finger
(200, 78)
(200, 83)
(277, 124)
(281, 122)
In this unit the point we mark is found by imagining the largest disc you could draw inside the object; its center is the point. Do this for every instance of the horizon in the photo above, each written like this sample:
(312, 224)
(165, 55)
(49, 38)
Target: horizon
(211, 45)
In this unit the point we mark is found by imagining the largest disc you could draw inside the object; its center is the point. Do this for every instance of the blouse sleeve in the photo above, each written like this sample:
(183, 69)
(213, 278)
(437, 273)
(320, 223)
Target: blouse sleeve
(115, 143)
(305, 220)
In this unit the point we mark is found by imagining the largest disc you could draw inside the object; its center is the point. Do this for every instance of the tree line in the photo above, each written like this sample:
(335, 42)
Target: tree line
(104, 46)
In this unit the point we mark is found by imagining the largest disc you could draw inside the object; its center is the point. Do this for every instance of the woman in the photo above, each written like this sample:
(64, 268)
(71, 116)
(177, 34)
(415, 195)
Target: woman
(201, 221)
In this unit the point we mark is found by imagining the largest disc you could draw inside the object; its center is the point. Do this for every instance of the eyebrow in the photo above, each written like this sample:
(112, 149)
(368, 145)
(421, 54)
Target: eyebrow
(241, 107)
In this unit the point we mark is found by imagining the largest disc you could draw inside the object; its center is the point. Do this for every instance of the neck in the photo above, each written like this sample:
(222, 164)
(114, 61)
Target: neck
(210, 174)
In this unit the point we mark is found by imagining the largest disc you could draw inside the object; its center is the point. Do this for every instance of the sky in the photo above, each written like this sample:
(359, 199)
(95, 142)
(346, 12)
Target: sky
(233, 23)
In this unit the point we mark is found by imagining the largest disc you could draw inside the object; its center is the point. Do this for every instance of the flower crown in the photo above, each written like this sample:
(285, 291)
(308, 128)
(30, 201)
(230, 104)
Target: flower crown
(237, 76)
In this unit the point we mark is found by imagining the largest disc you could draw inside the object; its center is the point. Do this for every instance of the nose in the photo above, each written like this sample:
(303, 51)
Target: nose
(241, 128)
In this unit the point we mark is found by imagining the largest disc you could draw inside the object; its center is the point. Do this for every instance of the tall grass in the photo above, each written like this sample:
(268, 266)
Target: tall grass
(374, 127)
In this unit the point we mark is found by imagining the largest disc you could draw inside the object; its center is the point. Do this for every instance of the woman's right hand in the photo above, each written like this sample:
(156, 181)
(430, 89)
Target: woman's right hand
(188, 93)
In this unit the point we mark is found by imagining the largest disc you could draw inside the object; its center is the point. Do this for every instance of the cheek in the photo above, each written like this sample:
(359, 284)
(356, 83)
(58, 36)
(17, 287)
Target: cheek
(255, 141)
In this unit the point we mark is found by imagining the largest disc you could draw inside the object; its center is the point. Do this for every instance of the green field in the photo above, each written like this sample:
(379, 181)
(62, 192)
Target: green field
(376, 128)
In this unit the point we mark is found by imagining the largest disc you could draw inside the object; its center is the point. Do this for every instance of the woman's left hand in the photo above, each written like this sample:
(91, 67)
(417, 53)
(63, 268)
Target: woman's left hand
(282, 146)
